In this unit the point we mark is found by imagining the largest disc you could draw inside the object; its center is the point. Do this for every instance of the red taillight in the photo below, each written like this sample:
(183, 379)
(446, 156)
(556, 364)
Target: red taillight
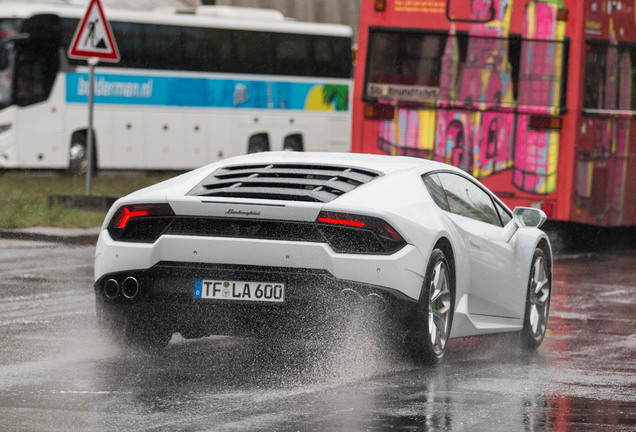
(380, 5)
(126, 213)
(338, 221)
(376, 225)
(350, 233)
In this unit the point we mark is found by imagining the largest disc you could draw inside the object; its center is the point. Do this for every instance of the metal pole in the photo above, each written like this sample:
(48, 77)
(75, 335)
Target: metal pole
(92, 62)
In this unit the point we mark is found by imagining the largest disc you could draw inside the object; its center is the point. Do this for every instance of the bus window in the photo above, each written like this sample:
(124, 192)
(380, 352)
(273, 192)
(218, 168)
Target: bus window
(207, 50)
(161, 41)
(35, 72)
(131, 45)
(633, 86)
(253, 52)
(291, 54)
(332, 56)
(420, 58)
(383, 57)
(6, 65)
(411, 65)
(608, 69)
(405, 59)
(8, 28)
(593, 93)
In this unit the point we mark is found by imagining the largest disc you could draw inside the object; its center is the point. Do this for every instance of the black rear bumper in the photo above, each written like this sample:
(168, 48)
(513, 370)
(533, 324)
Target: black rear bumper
(315, 303)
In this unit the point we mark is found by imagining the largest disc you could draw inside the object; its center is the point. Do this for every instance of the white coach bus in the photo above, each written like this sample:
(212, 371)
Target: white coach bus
(191, 88)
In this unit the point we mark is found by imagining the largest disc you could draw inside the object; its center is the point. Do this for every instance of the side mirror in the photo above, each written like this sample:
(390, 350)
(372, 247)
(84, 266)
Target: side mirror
(529, 217)
(14, 38)
(524, 217)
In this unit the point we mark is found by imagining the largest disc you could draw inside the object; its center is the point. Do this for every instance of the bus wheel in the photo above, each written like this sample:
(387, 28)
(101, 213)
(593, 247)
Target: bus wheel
(293, 143)
(258, 144)
(78, 156)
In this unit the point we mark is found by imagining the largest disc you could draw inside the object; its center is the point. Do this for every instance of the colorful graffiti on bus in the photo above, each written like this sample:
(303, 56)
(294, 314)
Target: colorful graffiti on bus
(477, 119)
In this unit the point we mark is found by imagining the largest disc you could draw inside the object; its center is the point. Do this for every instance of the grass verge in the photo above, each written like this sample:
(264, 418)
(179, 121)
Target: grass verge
(24, 196)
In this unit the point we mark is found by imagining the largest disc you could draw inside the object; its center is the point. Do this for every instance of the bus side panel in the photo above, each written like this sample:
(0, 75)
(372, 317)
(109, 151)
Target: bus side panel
(605, 188)
(605, 153)
(128, 138)
(40, 137)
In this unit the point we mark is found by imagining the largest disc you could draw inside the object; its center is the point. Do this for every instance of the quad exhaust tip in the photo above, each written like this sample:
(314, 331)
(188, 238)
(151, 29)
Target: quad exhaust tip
(111, 289)
(130, 287)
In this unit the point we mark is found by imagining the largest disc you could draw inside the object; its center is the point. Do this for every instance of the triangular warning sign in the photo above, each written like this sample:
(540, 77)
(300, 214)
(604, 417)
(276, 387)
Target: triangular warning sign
(93, 37)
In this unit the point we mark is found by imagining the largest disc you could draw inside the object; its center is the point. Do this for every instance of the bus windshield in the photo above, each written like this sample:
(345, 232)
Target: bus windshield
(8, 28)
(409, 66)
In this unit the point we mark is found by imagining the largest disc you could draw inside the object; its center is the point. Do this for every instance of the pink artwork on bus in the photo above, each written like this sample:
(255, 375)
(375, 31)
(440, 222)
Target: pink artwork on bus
(493, 152)
(453, 140)
(535, 161)
(485, 76)
(485, 138)
(479, 124)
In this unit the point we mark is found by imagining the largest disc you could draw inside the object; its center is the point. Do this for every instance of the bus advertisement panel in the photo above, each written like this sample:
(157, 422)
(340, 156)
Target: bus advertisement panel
(190, 88)
(536, 98)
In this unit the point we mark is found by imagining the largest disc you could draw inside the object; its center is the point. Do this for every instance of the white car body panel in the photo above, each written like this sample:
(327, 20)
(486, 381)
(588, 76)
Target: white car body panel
(401, 272)
(491, 274)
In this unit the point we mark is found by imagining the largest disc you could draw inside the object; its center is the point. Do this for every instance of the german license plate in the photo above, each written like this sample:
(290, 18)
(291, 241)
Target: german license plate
(239, 290)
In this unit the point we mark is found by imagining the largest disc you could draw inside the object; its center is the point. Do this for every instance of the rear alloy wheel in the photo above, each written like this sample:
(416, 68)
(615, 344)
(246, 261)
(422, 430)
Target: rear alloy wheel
(435, 312)
(538, 301)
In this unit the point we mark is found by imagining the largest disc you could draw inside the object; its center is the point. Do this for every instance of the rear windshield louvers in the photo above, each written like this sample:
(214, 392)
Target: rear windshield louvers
(317, 183)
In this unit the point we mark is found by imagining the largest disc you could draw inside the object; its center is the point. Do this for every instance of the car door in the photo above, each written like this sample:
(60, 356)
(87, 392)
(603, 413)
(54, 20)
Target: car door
(493, 276)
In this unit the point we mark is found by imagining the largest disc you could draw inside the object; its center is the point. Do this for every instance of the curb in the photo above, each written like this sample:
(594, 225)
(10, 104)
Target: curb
(86, 236)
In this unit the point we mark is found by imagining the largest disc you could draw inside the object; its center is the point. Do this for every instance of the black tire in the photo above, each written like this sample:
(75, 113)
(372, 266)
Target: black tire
(434, 317)
(535, 320)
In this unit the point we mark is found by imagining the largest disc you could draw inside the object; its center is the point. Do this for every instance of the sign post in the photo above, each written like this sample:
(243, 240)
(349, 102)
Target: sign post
(93, 41)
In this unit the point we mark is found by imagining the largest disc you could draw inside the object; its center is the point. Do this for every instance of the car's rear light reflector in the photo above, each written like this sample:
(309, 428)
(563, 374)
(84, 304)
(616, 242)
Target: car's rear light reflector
(126, 213)
(140, 222)
(378, 111)
(337, 221)
(347, 233)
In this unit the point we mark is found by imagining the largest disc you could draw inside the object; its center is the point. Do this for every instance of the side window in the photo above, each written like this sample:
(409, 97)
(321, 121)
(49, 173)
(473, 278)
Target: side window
(504, 215)
(436, 190)
(467, 199)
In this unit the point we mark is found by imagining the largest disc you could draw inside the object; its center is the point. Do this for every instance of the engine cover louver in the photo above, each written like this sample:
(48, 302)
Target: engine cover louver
(316, 183)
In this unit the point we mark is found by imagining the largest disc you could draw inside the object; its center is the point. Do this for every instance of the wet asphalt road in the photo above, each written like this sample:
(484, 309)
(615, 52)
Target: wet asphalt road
(58, 374)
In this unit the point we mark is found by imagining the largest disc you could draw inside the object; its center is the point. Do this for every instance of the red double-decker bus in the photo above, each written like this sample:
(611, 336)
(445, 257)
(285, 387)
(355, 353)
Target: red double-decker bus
(536, 98)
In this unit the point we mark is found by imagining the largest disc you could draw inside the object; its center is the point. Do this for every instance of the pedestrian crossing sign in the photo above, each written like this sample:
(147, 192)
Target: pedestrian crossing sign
(93, 36)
